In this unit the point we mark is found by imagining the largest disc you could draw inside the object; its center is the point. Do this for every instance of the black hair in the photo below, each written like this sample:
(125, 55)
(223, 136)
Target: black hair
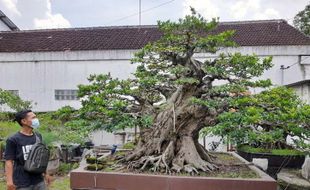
(19, 116)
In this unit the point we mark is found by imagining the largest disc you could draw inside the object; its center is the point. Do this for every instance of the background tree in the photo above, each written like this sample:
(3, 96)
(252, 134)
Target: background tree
(173, 95)
(302, 20)
(65, 126)
(265, 120)
(13, 101)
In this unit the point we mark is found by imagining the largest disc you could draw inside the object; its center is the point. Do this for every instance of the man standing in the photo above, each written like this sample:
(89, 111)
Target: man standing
(17, 149)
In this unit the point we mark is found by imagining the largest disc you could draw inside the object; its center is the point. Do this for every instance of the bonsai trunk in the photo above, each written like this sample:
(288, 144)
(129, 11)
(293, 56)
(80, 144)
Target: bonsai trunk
(171, 145)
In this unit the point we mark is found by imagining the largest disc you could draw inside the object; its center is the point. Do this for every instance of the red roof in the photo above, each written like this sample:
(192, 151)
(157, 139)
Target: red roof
(248, 33)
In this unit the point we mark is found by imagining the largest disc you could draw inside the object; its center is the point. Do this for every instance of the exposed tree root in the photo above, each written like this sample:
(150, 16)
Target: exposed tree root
(188, 159)
(171, 145)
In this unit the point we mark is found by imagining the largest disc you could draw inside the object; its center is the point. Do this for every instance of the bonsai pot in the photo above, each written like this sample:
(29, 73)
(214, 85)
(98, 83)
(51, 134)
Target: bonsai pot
(83, 179)
(286, 161)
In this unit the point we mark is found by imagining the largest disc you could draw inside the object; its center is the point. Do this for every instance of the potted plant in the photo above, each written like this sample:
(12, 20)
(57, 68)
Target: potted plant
(273, 124)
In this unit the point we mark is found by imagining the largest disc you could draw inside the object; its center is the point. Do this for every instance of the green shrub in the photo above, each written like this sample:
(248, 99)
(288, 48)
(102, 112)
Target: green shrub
(129, 145)
(64, 114)
(13, 101)
(91, 160)
(6, 116)
(94, 167)
(65, 168)
(7, 129)
(279, 152)
(266, 119)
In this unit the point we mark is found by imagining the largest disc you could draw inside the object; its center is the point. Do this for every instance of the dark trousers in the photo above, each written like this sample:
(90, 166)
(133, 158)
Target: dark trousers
(39, 186)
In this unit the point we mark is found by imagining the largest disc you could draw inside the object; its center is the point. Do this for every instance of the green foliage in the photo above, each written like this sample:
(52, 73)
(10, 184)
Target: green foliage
(129, 145)
(266, 119)
(166, 65)
(279, 152)
(7, 129)
(64, 114)
(48, 128)
(65, 126)
(302, 20)
(94, 167)
(91, 160)
(7, 116)
(65, 168)
(13, 101)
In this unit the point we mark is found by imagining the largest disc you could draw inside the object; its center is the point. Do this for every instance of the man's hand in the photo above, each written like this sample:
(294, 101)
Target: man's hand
(10, 186)
(48, 179)
(9, 175)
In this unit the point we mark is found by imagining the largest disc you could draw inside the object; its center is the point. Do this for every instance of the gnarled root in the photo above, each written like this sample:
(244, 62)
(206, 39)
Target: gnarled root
(190, 158)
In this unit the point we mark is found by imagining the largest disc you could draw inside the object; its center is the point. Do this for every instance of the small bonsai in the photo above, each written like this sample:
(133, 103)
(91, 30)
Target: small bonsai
(265, 121)
(94, 167)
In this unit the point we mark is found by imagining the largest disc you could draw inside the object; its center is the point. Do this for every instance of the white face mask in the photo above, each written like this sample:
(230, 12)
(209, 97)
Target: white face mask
(35, 123)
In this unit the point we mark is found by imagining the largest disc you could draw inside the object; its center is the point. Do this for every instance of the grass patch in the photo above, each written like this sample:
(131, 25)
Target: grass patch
(277, 152)
(62, 183)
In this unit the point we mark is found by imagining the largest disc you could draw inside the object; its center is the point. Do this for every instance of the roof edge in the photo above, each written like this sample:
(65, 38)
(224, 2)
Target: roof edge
(81, 28)
(141, 26)
(298, 83)
(8, 22)
(253, 21)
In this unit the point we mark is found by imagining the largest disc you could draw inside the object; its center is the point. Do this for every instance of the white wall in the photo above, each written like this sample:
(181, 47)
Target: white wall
(304, 92)
(101, 137)
(37, 75)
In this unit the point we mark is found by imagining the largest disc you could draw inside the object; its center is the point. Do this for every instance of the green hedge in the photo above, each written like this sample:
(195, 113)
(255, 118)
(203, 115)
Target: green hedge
(279, 152)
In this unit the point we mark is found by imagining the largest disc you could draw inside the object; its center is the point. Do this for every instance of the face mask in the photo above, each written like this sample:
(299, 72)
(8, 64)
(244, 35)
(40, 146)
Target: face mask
(35, 123)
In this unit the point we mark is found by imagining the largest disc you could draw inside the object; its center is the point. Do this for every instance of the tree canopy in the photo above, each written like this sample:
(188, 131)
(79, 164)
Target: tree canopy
(13, 101)
(302, 20)
(266, 119)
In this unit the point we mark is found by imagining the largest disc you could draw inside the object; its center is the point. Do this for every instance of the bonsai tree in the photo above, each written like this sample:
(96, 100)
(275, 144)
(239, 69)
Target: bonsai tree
(265, 120)
(173, 95)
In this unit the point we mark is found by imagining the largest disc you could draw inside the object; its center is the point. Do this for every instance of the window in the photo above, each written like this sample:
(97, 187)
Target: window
(66, 95)
(15, 92)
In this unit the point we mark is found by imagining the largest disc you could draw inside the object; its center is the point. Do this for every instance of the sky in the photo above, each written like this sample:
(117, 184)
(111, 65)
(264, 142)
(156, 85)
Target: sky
(40, 14)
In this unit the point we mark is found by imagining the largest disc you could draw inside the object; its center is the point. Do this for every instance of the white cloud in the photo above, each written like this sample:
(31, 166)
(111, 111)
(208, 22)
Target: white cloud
(207, 8)
(242, 8)
(252, 9)
(10, 5)
(267, 14)
(51, 20)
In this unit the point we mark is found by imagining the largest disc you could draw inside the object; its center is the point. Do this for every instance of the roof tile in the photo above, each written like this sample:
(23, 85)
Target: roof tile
(248, 33)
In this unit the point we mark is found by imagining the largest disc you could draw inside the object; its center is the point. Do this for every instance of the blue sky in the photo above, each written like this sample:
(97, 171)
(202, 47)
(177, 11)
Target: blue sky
(34, 14)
